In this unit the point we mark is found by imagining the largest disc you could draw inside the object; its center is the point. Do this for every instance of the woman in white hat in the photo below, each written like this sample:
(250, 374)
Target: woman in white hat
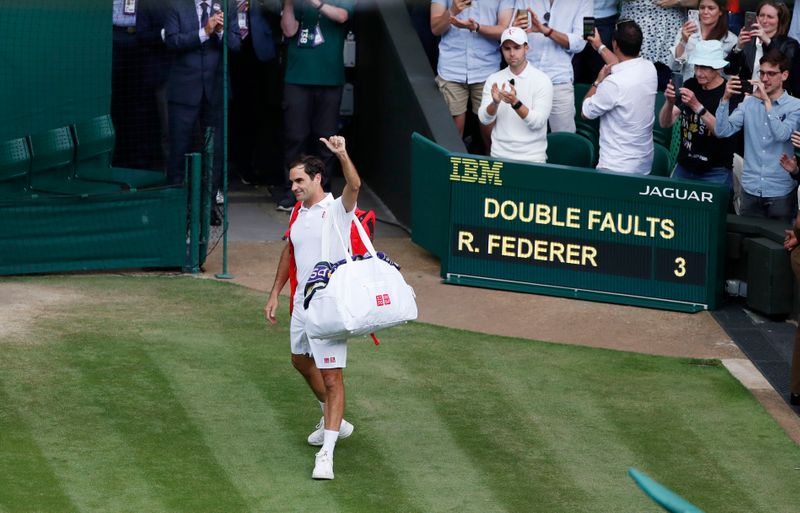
(702, 156)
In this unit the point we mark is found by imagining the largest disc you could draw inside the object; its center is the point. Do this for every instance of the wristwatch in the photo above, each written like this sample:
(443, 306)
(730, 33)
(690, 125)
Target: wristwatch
(700, 113)
(517, 105)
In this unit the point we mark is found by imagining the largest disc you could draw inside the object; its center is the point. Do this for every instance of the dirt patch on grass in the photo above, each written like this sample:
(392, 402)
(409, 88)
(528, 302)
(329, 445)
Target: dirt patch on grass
(22, 304)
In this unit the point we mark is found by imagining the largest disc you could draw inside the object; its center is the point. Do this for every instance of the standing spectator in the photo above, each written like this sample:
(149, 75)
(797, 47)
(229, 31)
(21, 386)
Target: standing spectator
(517, 102)
(791, 243)
(315, 31)
(769, 33)
(194, 90)
(767, 118)
(127, 92)
(251, 70)
(659, 21)
(587, 64)
(468, 52)
(623, 97)
(713, 26)
(157, 61)
(701, 155)
(556, 31)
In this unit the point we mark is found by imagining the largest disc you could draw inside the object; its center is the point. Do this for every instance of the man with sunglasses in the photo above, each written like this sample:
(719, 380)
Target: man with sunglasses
(767, 116)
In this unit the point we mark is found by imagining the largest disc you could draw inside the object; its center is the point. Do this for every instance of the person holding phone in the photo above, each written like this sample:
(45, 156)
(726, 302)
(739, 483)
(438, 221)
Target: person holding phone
(701, 156)
(767, 118)
(712, 24)
(556, 31)
(768, 33)
(516, 103)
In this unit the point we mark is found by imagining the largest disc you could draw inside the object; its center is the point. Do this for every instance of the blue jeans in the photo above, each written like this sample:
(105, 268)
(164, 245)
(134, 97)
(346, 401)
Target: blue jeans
(782, 208)
(720, 175)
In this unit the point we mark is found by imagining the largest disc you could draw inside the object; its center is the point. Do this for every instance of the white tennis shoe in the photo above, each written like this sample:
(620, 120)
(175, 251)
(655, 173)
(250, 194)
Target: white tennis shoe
(318, 436)
(323, 466)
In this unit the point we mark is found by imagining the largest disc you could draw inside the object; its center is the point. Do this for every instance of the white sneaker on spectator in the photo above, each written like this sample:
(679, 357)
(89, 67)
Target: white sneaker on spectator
(323, 466)
(318, 436)
(220, 198)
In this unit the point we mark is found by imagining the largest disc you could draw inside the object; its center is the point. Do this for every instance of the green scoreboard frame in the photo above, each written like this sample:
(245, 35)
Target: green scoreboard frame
(575, 232)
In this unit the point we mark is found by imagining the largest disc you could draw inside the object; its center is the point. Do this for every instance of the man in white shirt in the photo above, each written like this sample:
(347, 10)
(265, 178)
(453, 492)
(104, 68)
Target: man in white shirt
(518, 100)
(556, 31)
(623, 97)
(321, 362)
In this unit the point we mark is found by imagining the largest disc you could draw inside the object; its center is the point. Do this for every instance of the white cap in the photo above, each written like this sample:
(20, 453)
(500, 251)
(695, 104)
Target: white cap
(514, 34)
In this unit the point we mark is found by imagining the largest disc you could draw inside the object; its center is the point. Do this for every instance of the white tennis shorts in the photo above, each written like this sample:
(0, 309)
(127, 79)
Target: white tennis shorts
(328, 354)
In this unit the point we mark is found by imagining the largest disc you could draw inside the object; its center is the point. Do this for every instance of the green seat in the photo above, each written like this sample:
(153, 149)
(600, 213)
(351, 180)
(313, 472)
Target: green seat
(662, 162)
(15, 164)
(568, 149)
(662, 136)
(52, 166)
(580, 91)
(591, 134)
(661, 495)
(94, 147)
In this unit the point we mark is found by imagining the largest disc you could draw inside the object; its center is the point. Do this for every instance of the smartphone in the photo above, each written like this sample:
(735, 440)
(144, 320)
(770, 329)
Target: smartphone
(747, 87)
(522, 14)
(694, 15)
(750, 19)
(677, 83)
(588, 26)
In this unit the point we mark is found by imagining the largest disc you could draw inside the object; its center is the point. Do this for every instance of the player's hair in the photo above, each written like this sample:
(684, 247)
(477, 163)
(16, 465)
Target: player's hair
(311, 165)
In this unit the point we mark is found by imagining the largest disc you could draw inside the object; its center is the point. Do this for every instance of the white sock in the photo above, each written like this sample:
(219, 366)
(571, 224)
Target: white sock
(329, 442)
(322, 407)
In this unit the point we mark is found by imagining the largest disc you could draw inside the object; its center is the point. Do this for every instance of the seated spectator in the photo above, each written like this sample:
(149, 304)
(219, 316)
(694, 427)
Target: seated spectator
(556, 31)
(769, 33)
(517, 102)
(713, 26)
(623, 97)
(767, 117)
(701, 156)
(468, 51)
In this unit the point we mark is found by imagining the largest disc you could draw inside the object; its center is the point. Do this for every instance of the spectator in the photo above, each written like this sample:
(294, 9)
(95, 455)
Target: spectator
(588, 63)
(791, 243)
(468, 52)
(794, 27)
(659, 20)
(767, 118)
(194, 90)
(769, 33)
(517, 102)
(623, 97)
(251, 70)
(713, 26)
(556, 31)
(701, 156)
(157, 61)
(315, 31)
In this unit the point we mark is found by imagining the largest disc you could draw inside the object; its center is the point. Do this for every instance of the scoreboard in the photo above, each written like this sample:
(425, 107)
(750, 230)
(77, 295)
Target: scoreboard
(574, 232)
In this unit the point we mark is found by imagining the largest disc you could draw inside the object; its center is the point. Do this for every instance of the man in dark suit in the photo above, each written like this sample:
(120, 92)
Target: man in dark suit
(255, 103)
(194, 31)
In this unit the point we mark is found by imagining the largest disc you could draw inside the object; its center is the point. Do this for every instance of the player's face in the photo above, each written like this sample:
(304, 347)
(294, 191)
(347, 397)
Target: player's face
(303, 186)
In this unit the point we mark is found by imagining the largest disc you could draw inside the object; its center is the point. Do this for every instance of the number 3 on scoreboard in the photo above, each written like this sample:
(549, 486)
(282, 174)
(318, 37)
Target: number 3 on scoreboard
(680, 271)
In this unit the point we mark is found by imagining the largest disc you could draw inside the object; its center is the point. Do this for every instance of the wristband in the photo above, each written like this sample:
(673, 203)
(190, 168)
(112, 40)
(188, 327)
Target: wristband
(517, 105)
(701, 112)
(601, 48)
(549, 33)
(478, 28)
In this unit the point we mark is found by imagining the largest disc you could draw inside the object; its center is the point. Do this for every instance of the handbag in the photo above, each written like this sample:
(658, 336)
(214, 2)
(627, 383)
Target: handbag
(358, 296)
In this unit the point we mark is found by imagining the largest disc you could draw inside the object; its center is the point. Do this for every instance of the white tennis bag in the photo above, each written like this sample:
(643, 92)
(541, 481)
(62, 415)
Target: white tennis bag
(362, 296)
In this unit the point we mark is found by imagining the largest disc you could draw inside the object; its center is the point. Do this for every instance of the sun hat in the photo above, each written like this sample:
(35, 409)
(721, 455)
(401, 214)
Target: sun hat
(514, 34)
(708, 53)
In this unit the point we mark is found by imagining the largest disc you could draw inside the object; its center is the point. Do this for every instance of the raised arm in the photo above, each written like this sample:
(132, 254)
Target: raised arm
(352, 185)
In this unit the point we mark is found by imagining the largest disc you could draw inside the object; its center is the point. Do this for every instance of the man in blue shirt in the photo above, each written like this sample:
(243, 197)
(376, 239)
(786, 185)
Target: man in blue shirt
(768, 117)
(468, 52)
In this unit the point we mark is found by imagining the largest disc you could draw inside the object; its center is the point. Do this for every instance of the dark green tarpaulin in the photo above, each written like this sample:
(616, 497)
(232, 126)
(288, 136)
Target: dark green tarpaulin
(56, 57)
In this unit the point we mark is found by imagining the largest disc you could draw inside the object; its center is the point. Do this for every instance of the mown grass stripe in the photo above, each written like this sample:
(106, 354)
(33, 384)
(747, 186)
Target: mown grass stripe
(29, 483)
(163, 443)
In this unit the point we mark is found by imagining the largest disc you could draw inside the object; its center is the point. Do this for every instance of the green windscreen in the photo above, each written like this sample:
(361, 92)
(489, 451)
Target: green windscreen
(56, 57)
